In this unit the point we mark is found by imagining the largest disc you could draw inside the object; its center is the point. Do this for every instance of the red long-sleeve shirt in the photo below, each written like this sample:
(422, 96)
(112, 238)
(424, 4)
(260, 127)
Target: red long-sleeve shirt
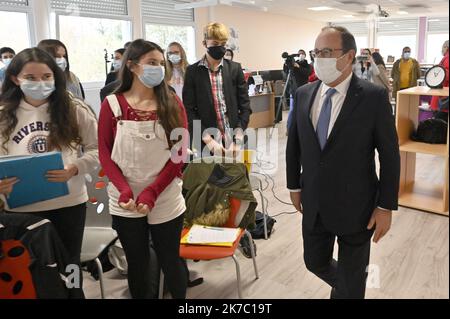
(106, 135)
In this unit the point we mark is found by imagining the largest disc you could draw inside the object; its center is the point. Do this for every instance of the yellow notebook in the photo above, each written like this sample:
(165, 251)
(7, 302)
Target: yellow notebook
(211, 236)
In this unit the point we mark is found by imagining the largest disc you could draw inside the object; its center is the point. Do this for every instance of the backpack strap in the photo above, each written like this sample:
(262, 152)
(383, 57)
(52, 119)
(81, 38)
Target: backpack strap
(114, 105)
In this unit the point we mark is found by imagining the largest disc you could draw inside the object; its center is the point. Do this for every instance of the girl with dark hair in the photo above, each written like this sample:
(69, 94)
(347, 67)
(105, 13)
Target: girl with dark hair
(176, 67)
(115, 67)
(38, 115)
(381, 79)
(137, 154)
(58, 50)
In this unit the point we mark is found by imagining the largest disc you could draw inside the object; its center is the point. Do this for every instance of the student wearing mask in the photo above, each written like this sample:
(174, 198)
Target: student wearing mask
(176, 67)
(144, 168)
(229, 55)
(381, 79)
(6, 56)
(58, 50)
(216, 94)
(109, 89)
(405, 72)
(366, 68)
(38, 115)
(116, 65)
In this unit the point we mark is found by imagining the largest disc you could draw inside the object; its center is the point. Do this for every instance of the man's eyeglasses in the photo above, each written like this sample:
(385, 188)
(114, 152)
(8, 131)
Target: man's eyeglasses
(324, 53)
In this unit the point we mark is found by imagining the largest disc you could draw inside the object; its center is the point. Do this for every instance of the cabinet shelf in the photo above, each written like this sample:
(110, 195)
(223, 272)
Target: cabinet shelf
(414, 194)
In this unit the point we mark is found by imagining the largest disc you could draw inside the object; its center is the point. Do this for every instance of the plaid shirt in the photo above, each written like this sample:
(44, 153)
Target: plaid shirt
(220, 105)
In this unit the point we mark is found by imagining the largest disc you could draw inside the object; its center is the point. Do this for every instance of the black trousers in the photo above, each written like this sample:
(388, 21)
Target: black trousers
(347, 275)
(134, 236)
(69, 224)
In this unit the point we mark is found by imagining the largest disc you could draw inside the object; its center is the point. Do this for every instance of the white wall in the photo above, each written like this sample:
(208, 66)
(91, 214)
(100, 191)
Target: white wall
(263, 36)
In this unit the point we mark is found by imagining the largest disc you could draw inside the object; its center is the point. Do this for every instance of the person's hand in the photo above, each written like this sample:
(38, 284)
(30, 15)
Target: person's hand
(381, 220)
(131, 205)
(232, 151)
(296, 199)
(213, 146)
(143, 209)
(7, 185)
(62, 176)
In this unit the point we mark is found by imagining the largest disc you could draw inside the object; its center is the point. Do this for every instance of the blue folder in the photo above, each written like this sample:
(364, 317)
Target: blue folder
(31, 170)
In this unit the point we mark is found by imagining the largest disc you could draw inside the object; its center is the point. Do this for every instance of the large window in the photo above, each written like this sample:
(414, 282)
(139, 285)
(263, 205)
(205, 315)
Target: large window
(164, 24)
(86, 40)
(392, 45)
(395, 34)
(15, 35)
(437, 33)
(434, 46)
(165, 34)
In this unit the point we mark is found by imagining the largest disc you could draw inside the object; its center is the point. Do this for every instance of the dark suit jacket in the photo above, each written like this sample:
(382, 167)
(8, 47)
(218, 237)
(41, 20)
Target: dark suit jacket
(198, 99)
(340, 183)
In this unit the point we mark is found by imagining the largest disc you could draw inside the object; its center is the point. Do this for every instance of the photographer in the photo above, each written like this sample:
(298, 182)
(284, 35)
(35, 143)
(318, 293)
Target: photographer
(300, 68)
(366, 68)
(300, 73)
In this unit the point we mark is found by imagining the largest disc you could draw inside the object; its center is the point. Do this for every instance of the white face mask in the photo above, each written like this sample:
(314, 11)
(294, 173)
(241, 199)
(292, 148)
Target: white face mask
(37, 90)
(117, 64)
(175, 58)
(302, 57)
(62, 63)
(326, 69)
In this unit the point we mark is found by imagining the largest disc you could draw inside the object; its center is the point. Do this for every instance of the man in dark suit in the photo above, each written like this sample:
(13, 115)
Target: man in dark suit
(215, 93)
(338, 123)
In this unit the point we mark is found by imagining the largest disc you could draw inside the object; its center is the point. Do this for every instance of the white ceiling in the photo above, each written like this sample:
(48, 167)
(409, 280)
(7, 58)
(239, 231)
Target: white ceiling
(343, 10)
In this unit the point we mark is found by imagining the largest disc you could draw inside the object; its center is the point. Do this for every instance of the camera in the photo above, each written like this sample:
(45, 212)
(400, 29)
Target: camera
(289, 59)
(362, 58)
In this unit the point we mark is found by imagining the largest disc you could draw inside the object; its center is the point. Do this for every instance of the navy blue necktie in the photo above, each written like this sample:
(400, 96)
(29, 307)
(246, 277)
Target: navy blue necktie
(324, 119)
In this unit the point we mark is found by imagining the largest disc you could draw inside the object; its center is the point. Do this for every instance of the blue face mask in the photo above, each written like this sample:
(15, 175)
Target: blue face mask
(37, 90)
(152, 75)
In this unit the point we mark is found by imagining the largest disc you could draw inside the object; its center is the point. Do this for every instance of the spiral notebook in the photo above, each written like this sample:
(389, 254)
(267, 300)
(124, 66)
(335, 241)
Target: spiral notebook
(33, 186)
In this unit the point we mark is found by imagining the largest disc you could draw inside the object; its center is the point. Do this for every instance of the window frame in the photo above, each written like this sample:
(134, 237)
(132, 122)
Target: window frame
(148, 20)
(29, 11)
(57, 32)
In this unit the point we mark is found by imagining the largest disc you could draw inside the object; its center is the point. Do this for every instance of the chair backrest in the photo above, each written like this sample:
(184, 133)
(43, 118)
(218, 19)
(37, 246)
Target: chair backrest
(97, 214)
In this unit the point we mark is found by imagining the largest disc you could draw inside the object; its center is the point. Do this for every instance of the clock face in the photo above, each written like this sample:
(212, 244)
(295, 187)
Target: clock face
(435, 76)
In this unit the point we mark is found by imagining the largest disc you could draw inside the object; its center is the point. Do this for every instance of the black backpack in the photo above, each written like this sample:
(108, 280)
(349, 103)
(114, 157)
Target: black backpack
(431, 131)
(258, 231)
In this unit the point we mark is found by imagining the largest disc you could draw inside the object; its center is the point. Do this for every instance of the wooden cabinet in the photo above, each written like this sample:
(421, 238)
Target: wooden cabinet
(419, 195)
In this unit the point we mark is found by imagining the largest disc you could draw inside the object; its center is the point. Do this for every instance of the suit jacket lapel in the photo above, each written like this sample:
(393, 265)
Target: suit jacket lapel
(205, 79)
(352, 100)
(227, 83)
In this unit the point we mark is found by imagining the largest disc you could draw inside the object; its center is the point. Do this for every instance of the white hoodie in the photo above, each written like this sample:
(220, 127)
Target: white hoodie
(30, 137)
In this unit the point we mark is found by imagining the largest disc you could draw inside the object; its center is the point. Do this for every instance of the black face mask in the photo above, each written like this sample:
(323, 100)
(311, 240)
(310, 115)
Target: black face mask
(218, 52)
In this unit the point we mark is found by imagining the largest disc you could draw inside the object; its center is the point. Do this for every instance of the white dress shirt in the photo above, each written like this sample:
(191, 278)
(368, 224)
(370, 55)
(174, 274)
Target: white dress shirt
(337, 101)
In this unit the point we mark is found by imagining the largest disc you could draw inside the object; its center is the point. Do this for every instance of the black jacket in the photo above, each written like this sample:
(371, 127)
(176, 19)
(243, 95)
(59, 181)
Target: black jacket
(340, 183)
(300, 75)
(198, 99)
